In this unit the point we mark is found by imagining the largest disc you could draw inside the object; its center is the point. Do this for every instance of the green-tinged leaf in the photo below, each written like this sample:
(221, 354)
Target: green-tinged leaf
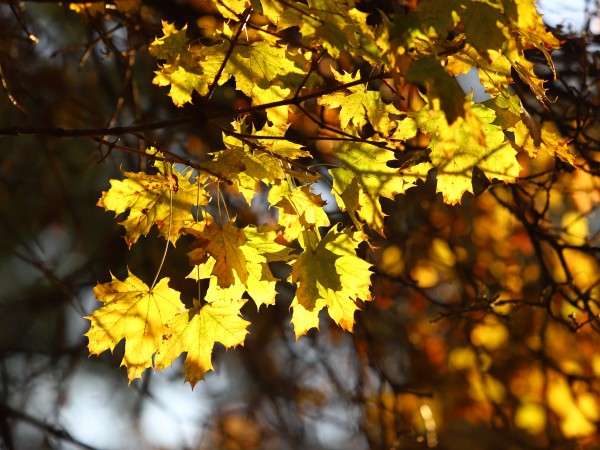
(171, 45)
(470, 141)
(136, 313)
(333, 276)
(364, 177)
(263, 63)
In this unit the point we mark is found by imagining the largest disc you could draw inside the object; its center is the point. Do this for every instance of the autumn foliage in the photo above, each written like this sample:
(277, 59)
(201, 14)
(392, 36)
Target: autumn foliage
(352, 182)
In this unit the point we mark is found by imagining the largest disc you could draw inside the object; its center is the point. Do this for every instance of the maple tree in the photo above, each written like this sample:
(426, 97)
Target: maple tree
(349, 179)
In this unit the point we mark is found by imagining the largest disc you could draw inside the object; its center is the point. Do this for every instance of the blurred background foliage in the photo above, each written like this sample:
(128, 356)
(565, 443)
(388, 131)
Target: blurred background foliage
(483, 331)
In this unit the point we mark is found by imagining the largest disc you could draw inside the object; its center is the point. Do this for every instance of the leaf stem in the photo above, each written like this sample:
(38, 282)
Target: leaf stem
(162, 262)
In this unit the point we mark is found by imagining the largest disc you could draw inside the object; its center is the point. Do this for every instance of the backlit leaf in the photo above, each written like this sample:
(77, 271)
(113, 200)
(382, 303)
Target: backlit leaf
(136, 313)
(223, 244)
(364, 177)
(469, 142)
(259, 249)
(549, 142)
(332, 276)
(299, 209)
(360, 106)
(165, 199)
(196, 331)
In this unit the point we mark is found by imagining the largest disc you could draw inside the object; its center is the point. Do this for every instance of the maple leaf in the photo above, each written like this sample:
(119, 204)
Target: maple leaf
(277, 116)
(136, 313)
(549, 142)
(259, 249)
(527, 21)
(330, 275)
(226, 164)
(472, 141)
(187, 68)
(223, 244)
(183, 82)
(332, 23)
(233, 9)
(299, 209)
(365, 177)
(265, 63)
(338, 26)
(494, 69)
(165, 199)
(360, 106)
(280, 147)
(529, 31)
(259, 166)
(196, 331)
(180, 68)
(171, 45)
(247, 163)
(493, 36)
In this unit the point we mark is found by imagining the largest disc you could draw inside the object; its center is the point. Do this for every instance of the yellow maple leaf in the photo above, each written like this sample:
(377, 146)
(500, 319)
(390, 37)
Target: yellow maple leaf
(196, 331)
(456, 149)
(365, 177)
(259, 249)
(266, 63)
(333, 276)
(360, 105)
(278, 116)
(280, 147)
(224, 244)
(231, 9)
(136, 313)
(165, 199)
(545, 140)
(183, 82)
(299, 209)
(185, 67)
(259, 166)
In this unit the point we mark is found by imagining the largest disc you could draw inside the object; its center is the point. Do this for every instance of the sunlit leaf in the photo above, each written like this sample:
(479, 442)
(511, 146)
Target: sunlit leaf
(330, 275)
(164, 199)
(133, 312)
(196, 331)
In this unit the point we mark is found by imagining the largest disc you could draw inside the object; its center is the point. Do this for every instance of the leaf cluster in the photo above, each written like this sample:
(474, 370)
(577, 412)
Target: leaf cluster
(385, 144)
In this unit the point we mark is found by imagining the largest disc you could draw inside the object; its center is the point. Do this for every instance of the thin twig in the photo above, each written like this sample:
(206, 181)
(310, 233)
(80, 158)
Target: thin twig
(215, 82)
